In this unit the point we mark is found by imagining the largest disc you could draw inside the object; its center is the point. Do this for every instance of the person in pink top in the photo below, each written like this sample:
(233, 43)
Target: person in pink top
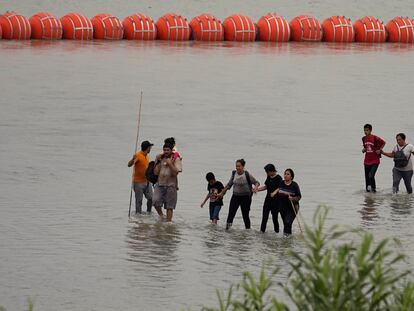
(171, 141)
(372, 147)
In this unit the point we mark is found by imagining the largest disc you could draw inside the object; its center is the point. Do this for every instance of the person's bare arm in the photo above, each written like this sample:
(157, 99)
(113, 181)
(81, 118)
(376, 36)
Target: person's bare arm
(175, 165)
(255, 183)
(223, 192)
(132, 161)
(274, 192)
(205, 200)
(157, 165)
(388, 154)
(380, 149)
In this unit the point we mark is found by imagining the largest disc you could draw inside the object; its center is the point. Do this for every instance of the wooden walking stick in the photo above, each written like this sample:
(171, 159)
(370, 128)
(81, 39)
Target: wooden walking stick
(296, 216)
(136, 146)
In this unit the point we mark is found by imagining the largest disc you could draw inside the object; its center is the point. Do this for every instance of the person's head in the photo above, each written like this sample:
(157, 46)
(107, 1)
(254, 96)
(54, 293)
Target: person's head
(289, 175)
(146, 146)
(400, 139)
(167, 150)
(170, 141)
(210, 178)
(367, 129)
(240, 165)
(270, 169)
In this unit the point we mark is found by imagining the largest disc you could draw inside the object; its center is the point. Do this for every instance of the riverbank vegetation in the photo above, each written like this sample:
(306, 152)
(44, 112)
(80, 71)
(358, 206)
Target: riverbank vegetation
(358, 274)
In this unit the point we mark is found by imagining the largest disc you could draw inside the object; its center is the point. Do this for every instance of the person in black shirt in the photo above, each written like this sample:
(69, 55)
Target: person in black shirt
(288, 196)
(272, 183)
(214, 187)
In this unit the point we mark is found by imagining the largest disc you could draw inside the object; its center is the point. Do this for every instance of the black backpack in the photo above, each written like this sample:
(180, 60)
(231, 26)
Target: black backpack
(149, 173)
(400, 160)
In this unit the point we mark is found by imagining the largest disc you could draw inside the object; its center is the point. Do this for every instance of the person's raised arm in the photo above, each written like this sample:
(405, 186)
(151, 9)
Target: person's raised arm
(132, 161)
(157, 165)
(175, 165)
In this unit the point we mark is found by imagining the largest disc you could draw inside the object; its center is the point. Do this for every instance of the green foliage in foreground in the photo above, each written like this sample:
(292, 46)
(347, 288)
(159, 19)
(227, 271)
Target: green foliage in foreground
(351, 276)
(29, 303)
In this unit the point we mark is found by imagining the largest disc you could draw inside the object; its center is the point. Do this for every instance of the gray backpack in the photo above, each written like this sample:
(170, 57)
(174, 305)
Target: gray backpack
(400, 160)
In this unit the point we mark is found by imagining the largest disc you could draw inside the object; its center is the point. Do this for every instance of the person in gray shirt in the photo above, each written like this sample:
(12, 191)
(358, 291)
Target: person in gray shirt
(242, 183)
(403, 166)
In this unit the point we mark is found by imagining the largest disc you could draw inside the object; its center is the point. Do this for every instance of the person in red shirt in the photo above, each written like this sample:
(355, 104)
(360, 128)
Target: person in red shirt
(372, 147)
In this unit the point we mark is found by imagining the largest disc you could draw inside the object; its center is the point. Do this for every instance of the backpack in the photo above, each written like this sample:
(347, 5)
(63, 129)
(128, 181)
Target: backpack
(249, 181)
(149, 173)
(400, 160)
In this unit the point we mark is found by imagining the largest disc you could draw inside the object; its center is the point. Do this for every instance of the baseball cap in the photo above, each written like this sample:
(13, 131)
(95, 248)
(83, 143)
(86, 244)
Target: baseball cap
(145, 144)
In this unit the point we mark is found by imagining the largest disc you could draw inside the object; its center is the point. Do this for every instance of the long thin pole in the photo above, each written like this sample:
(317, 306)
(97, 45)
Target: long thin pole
(297, 218)
(136, 147)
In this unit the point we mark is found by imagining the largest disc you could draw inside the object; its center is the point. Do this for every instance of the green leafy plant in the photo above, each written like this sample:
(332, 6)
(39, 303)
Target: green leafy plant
(330, 276)
(29, 303)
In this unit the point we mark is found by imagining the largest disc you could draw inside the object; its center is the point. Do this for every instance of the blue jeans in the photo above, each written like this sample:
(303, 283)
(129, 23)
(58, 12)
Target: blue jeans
(214, 211)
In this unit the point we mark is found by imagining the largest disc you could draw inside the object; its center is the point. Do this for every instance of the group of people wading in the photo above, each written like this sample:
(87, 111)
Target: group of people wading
(282, 196)
(403, 168)
(158, 182)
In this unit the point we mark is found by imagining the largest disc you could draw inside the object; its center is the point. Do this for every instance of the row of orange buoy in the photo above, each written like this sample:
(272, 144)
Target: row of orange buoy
(238, 27)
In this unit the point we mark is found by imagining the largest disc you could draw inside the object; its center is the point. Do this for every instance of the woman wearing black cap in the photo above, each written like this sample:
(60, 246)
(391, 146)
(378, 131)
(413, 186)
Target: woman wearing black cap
(242, 193)
(272, 183)
(288, 196)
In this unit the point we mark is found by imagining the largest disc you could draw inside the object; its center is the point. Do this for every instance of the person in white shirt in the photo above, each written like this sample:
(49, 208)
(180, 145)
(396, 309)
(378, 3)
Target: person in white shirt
(403, 166)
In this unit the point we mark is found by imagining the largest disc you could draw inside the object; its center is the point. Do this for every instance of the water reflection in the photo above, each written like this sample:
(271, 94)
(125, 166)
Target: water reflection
(153, 244)
(401, 205)
(369, 212)
(14, 44)
(213, 238)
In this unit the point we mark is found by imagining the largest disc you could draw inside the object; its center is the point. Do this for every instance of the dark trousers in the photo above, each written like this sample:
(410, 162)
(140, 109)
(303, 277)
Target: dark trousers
(270, 206)
(370, 171)
(396, 178)
(288, 216)
(244, 202)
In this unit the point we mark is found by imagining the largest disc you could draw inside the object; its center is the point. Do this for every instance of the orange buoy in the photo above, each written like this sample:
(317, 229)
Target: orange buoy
(107, 26)
(305, 28)
(139, 27)
(1, 33)
(370, 29)
(173, 27)
(337, 29)
(239, 27)
(400, 29)
(206, 27)
(15, 26)
(76, 27)
(45, 26)
(273, 27)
